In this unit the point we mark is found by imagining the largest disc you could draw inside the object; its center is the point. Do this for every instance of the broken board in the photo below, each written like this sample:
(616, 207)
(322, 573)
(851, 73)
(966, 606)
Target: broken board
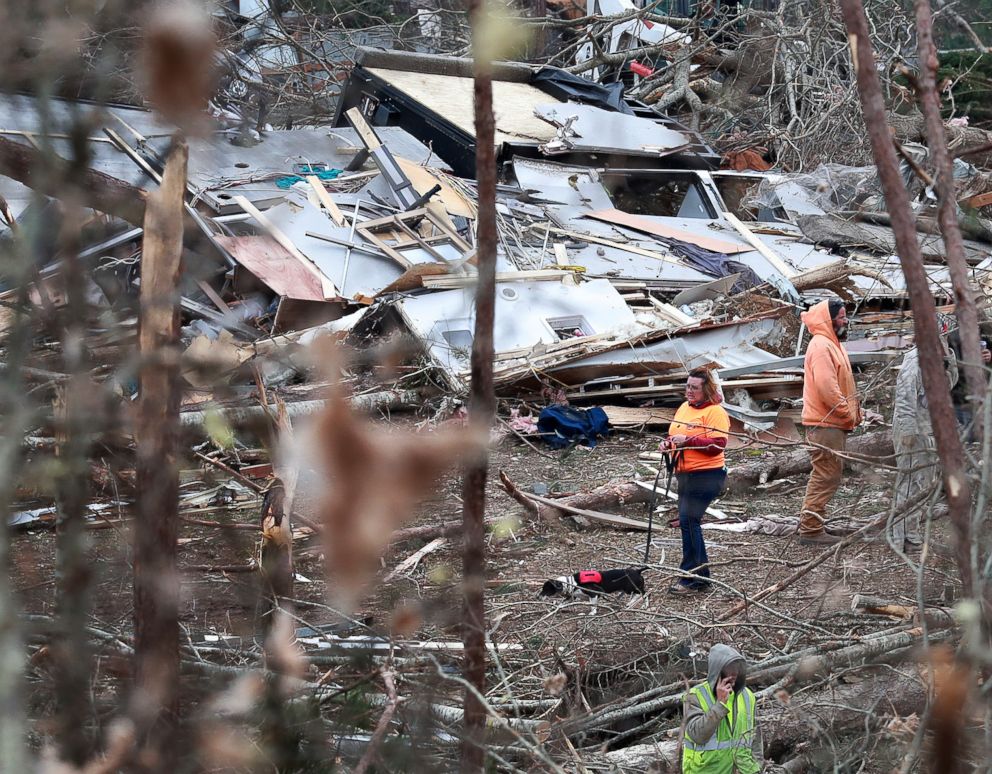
(636, 222)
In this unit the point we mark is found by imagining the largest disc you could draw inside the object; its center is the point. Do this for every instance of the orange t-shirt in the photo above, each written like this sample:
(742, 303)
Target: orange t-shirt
(710, 420)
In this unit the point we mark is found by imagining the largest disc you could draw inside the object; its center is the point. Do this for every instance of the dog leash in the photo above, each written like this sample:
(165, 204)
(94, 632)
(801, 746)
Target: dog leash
(671, 462)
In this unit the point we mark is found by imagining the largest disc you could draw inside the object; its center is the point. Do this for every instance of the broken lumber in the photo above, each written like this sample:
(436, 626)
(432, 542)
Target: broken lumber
(273, 231)
(649, 485)
(414, 559)
(777, 262)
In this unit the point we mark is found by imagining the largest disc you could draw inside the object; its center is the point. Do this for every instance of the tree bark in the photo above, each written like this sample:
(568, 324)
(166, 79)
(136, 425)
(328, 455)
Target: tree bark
(943, 420)
(603, 498)
(964, 295)
(74, 427)
(784, 726)
(46, 174)
(911, 127)
(156, 581)
(392, 400)
(802, 665)
(740, 478)
(865, 603)
(482, 398)
(276, 554)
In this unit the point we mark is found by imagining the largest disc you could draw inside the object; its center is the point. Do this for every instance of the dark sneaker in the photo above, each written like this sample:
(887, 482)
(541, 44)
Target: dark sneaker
(818, 538)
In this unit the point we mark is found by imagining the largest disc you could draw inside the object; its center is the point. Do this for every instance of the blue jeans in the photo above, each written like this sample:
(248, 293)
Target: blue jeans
(965, 417)
(696, 491)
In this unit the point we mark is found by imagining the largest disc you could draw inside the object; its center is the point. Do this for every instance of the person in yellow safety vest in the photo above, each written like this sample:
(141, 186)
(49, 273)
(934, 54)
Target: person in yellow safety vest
(721, 736)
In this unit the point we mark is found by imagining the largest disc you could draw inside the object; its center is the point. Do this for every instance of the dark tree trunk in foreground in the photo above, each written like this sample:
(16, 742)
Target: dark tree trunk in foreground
(73, 416)
(482, 405)
(942, 416)
(156, 582)
(964, 294)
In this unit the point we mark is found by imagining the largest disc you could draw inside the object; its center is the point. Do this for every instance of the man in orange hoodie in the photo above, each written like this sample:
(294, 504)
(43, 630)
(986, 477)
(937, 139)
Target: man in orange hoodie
(830, 412)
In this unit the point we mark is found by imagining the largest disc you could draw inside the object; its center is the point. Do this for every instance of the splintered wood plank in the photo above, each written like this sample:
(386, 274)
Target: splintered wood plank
(626, 416)
(365, 132)
(607, 518)
(326, 200)
(639, 223)
(396, 255)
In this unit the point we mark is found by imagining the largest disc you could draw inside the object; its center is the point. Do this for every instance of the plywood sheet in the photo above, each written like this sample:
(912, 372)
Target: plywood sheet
(423, 180)
(273, 265)
(639, 223)
(629, 416)
(451, 97)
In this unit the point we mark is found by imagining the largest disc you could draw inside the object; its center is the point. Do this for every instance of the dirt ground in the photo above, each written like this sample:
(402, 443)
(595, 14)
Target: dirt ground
(624, 648)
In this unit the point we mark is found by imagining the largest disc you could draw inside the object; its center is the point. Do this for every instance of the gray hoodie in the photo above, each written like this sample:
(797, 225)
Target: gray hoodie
(701, 726)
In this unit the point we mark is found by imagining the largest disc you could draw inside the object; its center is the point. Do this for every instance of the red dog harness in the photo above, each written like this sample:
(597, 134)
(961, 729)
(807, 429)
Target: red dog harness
(590, 576)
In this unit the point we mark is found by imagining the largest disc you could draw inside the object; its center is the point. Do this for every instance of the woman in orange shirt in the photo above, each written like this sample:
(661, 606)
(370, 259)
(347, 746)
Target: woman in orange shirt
(698, 435)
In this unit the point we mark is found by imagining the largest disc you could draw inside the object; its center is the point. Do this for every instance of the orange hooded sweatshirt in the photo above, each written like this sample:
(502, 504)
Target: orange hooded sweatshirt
(829, 393)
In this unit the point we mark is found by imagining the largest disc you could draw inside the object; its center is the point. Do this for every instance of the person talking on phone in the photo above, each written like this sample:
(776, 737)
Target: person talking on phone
(721, 734)
(963, 406)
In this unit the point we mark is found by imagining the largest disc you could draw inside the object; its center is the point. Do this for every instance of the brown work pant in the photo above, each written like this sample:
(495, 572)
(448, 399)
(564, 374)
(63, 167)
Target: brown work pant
(825, 478)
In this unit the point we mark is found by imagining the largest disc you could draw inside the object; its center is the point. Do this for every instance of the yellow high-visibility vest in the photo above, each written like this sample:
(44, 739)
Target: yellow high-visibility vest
(728, 751)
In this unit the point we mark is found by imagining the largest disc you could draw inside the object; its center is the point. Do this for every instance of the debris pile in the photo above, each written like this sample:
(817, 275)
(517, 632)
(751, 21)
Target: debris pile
(625, 256)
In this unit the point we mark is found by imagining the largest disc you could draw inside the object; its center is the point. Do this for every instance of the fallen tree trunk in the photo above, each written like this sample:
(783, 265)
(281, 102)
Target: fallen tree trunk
(871, 703)
(392, 400)
(47, 173)
(832, 275)
(607, 496)
(911, 127)
(834, 231)
(935, 616)
(857, 706)
(802, 665)
(741, 477)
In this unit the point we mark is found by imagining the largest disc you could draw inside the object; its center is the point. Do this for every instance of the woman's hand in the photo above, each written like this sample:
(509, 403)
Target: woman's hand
(725, 687)
(676, 441)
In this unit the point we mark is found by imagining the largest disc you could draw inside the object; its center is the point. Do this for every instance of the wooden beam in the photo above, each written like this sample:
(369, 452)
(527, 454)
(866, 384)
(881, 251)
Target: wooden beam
(773, 258)
(326, 200)
(396, 255)
(606, 518)
(672, 495)
(629, 248)
(537, 275)
(365, 132)
(390, 220)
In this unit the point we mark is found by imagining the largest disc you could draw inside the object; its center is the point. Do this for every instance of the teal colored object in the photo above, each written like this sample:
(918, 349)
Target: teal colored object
(324, 174)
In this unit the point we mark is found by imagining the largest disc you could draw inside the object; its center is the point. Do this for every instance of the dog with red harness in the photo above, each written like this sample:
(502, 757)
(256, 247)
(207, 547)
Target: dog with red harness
(595, 583)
